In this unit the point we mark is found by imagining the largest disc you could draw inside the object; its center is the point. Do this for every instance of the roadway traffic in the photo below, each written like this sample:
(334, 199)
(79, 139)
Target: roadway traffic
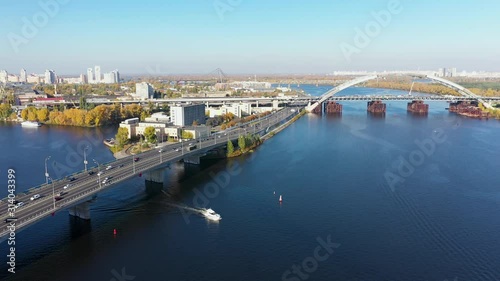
(80, 187)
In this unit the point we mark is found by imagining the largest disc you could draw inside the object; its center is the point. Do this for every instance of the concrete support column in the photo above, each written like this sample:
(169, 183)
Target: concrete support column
(192, 160)
(155, 176)
(81, 210)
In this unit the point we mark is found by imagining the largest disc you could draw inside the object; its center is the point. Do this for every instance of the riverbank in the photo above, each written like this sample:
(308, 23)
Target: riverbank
(267, 136)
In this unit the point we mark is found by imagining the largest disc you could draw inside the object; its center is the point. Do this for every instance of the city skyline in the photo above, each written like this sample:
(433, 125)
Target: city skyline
(248, 36)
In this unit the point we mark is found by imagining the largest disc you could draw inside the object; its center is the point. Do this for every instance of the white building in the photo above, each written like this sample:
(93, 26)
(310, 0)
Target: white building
(13, 78)
(130, 125)
(97, 74)
(187, 114)
(144, 90)
(117, 75)
(50, 77)
(109, 78)
(90, 75)
(158, 117)
(237, 109)
(4, 76)
(198, 131)
(34, 79)
(23, 77)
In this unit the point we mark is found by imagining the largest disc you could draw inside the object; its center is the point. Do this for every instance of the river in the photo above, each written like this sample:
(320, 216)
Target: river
(349, 211)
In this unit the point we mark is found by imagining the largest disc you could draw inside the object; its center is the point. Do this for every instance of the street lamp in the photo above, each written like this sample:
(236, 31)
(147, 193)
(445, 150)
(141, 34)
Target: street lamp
(160, 156)
(85, 157)
(133, 164)
(98, 169)
(46, 171)
(53, 193)
(98, 172)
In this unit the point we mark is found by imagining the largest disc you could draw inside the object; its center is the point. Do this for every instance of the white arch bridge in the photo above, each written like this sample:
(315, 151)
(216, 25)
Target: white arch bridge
(461, 90)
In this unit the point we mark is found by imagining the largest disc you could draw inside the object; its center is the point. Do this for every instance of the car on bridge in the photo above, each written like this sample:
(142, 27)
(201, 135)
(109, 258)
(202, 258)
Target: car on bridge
(70, 179)
(67, 186)
(109, 168)
(100, 173)
(34, 197)
(136, 159)
(91, 173)
(20, 204)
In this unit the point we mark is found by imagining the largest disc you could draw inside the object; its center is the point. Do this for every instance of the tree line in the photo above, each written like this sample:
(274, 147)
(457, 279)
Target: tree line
(417, 87)
(98, 116)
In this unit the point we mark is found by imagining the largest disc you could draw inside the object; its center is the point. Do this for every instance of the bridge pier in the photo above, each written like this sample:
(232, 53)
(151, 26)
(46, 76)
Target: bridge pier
(376, 106)
(333, 107)
(155, 176)
(276, 104)
(81, 210)
(318, 109)
(192, 160)
(418, 106)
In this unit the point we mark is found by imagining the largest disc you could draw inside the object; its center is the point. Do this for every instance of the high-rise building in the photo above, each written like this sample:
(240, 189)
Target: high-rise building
(109, 78)
(97, 74)
(117, 75)
(144, 90)
(90, 75)
(4, 76)
(50, 77)
(83, 79)
(23, 77)
(445, 72)
(453, 72)
(186, 114)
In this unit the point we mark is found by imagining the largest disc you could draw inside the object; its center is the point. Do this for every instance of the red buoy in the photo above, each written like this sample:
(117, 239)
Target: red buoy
(114, 231)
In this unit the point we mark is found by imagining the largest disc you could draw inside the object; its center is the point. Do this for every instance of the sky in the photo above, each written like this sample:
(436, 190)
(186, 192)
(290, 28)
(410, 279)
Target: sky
(161, 37)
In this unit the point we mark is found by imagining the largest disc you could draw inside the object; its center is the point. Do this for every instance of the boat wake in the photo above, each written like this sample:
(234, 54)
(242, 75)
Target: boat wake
(207, 213)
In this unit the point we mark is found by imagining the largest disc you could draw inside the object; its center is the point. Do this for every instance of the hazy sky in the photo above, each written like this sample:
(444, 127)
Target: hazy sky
(248, 36)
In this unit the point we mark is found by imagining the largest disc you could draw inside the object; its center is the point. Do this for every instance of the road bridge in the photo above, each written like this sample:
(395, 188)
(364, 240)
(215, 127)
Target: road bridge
(86, 186)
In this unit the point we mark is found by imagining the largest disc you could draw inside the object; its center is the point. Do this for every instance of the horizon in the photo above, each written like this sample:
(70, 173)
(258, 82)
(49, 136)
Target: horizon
(248, 37)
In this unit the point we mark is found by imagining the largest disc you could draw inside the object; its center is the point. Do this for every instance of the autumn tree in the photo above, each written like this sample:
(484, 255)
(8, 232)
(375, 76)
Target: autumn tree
(42, 114)
(122, 137)
(5, 110)
(186, 135)
(150, 134)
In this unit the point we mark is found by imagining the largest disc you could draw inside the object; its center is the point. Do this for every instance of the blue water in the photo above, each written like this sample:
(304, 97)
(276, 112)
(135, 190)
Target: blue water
(437, 222)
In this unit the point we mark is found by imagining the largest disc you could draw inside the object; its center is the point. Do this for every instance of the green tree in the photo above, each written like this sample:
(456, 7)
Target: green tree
(242, 143)
(230, 148)
(83, 103)
(122, 137)
(150, 134)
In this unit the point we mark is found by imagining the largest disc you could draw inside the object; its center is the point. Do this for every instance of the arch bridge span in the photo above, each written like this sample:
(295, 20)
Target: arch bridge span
(461, 90)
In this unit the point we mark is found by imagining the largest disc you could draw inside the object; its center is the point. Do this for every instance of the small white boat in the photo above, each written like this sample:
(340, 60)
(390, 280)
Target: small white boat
(30, 124)
(281, 199)
(211, 215)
